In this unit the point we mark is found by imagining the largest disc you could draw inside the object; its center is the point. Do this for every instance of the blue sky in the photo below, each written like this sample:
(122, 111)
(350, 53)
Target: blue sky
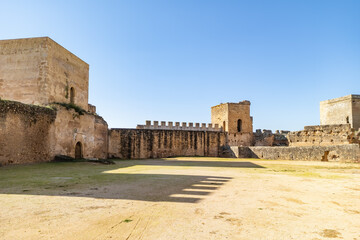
(173, 60)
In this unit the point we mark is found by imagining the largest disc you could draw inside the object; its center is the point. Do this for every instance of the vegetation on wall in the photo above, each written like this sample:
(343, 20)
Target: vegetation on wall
(69, 106)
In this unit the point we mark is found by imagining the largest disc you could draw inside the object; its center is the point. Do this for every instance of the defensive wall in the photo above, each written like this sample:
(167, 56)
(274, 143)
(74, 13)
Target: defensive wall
(184, 126)
(159, 143)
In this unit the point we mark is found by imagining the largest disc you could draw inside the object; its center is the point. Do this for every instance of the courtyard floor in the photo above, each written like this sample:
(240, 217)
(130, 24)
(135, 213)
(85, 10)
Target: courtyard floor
(181, 198)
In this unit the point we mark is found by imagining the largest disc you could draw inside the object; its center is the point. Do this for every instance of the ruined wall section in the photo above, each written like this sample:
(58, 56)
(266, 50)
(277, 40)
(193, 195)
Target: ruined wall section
(268, 138)
(23, 67)
(335, 153)
(30, 134)
(324, 135)
(142, 143)
(26, 133)
(66, 71)
(71, 127)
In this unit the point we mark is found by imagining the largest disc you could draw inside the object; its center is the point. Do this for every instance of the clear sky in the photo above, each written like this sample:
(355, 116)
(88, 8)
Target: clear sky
(172, 60)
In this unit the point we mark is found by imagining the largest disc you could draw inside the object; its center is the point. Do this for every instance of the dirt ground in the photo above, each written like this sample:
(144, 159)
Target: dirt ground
(181, 198)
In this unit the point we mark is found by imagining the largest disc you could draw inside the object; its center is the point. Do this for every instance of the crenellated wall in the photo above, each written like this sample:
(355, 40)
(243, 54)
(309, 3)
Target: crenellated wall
(144, 143)
(184, 126)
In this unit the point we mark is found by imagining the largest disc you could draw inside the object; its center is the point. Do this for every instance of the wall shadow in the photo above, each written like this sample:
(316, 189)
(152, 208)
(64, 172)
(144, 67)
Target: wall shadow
(105, 182)
(189, 163)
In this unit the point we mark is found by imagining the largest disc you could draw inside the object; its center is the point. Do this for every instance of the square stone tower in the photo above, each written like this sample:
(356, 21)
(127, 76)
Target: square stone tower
(343, 110)
(233, 117)
(40, 71)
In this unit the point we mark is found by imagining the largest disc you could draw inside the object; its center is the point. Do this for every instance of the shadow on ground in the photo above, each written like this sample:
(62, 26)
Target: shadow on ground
(108, 182)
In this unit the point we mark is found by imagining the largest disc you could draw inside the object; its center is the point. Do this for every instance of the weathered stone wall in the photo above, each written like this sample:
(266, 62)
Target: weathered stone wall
(268, 138)
(66, 71)
(71, 127)
(324, 135)
(23, 64)
(240, 139)
(220, 116)
(25, 133)
(356, 111)
(40, 71)
(31, 133)
(141, 143)
(341, 153)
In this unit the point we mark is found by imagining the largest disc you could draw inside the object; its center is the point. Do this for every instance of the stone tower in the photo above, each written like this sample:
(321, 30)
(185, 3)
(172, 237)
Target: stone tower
(342, 110)
(39, 71)
(235, 119)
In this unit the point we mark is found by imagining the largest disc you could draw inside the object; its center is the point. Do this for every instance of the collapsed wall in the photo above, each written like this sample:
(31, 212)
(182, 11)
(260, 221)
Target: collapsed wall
(143, 143)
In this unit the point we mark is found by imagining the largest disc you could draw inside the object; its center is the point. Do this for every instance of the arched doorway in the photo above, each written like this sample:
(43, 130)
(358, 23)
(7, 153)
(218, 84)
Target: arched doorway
(78, 150)
(239, 123)
(72, 95)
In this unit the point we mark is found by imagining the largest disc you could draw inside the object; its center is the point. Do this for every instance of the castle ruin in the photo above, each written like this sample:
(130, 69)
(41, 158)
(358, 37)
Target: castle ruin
(44, 112)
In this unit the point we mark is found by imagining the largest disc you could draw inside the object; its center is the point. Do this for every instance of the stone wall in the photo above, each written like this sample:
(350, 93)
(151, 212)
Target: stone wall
(324, 135)
(31, 133)
(71, 127)
(268, 138)
(142, 143)
(356, 111)
(40, 71)
(338, 153)
(25, 133)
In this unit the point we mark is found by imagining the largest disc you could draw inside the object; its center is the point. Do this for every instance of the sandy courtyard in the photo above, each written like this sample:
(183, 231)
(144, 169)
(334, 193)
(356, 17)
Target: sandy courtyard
(181, 198)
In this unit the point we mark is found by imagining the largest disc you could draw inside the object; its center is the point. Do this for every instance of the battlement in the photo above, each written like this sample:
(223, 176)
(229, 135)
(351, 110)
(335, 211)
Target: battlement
(265, 131)
(184, 126)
